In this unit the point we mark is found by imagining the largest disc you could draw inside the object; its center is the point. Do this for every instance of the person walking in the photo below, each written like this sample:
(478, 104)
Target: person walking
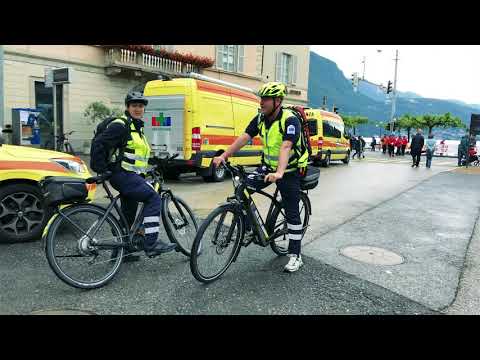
(430, 144)
(373, 143)
(416, 147)
(384, 144)
(391, 145)
(462, 149)
(404, 145)
(362, 146)
(355, 144)
(398, 145)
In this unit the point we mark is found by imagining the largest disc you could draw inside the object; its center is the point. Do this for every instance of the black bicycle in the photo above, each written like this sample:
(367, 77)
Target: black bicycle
(63, 145)
(222, 234)
(85, 243)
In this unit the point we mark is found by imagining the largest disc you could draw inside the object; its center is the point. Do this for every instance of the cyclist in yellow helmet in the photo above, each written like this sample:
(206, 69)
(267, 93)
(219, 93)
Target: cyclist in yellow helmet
(280, 131)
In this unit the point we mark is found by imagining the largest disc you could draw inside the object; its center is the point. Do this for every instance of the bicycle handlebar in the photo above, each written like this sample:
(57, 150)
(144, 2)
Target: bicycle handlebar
(239, 170)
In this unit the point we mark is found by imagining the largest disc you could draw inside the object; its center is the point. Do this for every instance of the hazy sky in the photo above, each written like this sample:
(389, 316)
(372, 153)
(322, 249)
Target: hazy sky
(435, 71)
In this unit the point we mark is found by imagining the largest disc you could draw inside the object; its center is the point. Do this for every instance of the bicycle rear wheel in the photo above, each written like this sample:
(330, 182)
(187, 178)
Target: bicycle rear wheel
(72, 256)
(278, 225)
(179, 222)
(216, 244)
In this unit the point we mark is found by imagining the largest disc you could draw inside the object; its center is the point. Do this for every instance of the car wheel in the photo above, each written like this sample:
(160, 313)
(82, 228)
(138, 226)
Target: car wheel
(23, 213)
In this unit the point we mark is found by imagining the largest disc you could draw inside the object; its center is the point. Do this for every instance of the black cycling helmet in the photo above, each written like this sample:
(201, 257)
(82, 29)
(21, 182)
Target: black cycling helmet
(135, 96)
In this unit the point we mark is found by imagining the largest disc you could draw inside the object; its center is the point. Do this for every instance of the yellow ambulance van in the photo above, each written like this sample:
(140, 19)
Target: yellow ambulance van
(327, 137)
(199, 120)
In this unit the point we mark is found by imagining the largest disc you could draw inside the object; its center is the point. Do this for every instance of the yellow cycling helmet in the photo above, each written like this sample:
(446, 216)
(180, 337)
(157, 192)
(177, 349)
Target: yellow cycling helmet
(273, 89)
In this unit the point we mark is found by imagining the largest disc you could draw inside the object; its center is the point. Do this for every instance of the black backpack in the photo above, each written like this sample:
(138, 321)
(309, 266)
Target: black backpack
(94, 153)
(304, 134)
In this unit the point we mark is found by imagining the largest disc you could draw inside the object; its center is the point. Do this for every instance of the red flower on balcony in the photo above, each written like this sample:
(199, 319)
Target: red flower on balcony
(201, 61)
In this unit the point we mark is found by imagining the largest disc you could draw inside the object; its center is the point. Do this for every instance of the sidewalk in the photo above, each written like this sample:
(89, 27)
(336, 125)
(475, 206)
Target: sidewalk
(429, 226)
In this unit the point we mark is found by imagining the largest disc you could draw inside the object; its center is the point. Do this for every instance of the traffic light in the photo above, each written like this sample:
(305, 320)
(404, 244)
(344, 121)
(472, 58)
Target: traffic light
(389, 87)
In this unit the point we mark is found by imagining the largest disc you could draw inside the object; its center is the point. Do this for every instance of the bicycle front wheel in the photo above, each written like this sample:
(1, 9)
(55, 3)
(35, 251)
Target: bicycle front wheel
(71, 254)
(278, 226)
(216, 244)
(179, 222)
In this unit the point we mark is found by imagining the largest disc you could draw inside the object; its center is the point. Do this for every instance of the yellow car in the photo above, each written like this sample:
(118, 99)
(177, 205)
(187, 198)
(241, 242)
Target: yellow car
(23, 214)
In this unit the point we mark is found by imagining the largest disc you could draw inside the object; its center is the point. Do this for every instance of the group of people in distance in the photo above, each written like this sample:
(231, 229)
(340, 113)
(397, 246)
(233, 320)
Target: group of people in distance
(393, 142)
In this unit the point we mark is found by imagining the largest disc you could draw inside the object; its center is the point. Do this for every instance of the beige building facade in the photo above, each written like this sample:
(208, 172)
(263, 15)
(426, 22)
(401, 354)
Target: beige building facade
(106, 75)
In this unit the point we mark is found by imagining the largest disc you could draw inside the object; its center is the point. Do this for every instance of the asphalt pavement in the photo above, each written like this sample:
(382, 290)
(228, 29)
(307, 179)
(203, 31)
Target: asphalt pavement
(369, 202)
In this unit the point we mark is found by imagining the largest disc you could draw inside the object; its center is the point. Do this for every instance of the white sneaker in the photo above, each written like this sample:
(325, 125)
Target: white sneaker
(294, 263)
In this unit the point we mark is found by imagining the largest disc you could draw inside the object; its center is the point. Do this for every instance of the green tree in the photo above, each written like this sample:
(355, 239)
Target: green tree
(97, 111)
(409, 122)
(446, 121)
(352, 122)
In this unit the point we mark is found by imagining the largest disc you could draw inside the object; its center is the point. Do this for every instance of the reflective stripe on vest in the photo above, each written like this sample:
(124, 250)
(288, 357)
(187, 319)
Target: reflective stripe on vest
(137, 151)
(272, 141)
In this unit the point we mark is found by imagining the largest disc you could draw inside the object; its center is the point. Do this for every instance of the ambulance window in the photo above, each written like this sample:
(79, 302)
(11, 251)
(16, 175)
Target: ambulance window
(312, 127)
(327, 129)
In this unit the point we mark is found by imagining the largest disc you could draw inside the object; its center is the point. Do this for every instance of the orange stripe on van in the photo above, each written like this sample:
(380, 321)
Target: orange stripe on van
(226, 140)
(29, 165)
(222, 90)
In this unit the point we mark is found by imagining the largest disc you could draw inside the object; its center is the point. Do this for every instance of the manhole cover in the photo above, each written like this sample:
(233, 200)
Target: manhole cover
(62, 312)
(372, 255)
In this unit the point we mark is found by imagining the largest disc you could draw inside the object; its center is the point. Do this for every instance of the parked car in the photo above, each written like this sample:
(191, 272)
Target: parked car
(23, 213)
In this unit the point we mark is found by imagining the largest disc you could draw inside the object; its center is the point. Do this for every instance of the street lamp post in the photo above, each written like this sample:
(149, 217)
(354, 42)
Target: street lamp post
(394, 93)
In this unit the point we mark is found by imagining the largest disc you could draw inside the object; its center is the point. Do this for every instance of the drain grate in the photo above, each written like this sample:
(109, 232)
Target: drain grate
(372, 255)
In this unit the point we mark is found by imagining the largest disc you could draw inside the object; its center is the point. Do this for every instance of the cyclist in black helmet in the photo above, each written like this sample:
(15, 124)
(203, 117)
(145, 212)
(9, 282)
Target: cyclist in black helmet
(129, 169)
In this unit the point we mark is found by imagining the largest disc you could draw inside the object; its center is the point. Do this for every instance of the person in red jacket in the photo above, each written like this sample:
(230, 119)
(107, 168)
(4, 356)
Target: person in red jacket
(384, 142)
(391, 145)
(398, 145)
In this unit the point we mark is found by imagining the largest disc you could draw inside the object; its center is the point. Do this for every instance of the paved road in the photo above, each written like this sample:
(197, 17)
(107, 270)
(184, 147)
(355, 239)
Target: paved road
(255, 284)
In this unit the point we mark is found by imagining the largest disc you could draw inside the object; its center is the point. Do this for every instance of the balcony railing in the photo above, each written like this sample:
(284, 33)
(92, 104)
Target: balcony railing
(123, 58)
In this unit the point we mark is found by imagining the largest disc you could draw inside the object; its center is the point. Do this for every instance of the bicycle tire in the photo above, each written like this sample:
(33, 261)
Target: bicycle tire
(51, 240)
(200, 249)
(170, 228)
(69, 149)
(272, 226)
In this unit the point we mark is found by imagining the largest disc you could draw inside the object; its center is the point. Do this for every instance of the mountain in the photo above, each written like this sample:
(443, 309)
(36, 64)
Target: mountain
(326, 79)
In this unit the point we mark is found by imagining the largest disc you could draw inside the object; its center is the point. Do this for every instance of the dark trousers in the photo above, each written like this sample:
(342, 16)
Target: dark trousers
(403, 149)
(391, 150)
(460, 155)
(357, 152)
(134, 189)
(384, 148)
(416, 157)
(289, 187)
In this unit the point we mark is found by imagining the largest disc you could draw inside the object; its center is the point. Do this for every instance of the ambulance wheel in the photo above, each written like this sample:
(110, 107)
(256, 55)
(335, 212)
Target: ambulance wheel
(347, 159)
(326, 162)
(216, 174)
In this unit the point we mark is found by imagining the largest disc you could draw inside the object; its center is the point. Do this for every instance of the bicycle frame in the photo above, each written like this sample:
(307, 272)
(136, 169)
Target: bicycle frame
(244, 196)
(132, 231)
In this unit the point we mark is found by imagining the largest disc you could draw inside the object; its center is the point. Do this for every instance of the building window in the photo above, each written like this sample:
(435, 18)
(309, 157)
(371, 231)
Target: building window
(286, 68)
(230, 57)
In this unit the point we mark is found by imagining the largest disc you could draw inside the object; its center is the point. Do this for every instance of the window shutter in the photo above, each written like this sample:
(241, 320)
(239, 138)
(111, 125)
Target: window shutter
(241, 57)
(219, 56)
(278, 59)
(293, 80)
